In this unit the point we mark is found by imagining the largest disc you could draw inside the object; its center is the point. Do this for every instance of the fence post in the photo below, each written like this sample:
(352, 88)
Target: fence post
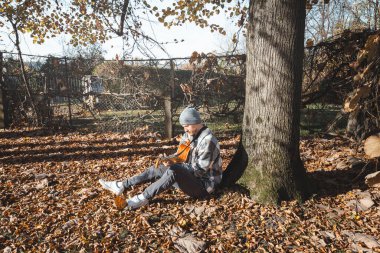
(68, 90)
(168, 103)
(2, 99)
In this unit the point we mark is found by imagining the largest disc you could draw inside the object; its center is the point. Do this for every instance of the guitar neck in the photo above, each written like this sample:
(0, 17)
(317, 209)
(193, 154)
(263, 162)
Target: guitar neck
(164, 158)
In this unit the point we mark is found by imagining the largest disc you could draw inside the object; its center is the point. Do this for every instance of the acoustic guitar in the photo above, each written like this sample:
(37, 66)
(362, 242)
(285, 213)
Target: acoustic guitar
(179, 157)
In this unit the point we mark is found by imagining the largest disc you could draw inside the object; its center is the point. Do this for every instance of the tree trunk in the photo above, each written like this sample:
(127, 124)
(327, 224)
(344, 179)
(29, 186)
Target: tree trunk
(270, 139)
(168, 117)
(168, 96)
(2, 119)
(376, 12)
(37, 119)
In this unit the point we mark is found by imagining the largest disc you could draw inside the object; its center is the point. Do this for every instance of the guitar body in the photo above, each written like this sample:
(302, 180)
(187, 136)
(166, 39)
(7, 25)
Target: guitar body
(180, 156)
(183, 151)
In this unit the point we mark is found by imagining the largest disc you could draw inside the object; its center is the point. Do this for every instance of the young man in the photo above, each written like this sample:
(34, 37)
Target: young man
(197, 177)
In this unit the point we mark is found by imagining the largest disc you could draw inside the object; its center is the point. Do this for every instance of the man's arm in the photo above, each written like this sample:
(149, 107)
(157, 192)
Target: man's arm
(169, 161)
(207, 153)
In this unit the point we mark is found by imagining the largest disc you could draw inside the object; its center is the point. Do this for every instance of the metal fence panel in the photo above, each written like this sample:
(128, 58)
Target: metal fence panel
(121, 95)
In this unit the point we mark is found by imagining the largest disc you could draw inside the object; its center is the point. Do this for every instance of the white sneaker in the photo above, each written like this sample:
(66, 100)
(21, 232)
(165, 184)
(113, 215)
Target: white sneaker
(137, 201)
(113, 186)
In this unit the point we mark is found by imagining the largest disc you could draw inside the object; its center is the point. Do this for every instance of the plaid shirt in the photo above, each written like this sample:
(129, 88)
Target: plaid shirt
(205, 159)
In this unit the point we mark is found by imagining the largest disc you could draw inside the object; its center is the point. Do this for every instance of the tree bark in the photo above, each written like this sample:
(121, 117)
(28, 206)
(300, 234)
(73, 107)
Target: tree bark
(270, 137)
(169, 94)
(2, 119)
(168, 117)
(124, 10)
(376, 13)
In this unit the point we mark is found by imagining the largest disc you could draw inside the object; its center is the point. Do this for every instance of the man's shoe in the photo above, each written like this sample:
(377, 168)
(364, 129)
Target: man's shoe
(137, 201)
(113, 186)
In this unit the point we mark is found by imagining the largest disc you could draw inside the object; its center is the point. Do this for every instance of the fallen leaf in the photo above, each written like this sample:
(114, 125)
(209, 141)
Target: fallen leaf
(189, 244)
(120, 202)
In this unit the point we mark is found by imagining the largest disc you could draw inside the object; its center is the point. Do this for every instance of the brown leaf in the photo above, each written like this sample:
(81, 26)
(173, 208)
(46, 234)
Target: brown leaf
(120, 202)
(373, 179)
(190, 244)
(372, 146)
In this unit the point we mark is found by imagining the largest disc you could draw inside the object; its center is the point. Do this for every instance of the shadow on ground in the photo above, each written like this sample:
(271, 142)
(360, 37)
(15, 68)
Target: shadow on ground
(336, 182)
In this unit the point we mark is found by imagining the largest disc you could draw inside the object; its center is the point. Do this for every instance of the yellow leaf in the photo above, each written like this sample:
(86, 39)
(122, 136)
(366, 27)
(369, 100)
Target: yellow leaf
(182, 223)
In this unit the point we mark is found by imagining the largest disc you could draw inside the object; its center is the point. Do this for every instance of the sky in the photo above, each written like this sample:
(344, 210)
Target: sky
(195, 39)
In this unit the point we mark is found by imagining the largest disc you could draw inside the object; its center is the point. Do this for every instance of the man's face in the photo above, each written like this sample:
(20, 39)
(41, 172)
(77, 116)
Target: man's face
(191, 129)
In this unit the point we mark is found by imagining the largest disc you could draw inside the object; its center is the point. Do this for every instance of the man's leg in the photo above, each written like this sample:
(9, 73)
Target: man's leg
(188, 183)
(118, 187)
(146, 176)
(183, 176)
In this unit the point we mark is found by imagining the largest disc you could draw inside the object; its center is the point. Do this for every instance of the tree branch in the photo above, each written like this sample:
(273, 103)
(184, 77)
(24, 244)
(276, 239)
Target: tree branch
(123, 17)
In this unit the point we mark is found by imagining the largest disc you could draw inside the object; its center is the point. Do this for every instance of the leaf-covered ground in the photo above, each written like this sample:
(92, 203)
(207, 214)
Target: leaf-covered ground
(50, 200)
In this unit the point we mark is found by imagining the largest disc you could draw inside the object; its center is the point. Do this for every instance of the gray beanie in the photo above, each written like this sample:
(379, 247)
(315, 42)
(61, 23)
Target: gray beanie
(190, 116)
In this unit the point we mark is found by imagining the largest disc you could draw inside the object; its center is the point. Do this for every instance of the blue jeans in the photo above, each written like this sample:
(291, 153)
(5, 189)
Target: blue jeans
(179, 175)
